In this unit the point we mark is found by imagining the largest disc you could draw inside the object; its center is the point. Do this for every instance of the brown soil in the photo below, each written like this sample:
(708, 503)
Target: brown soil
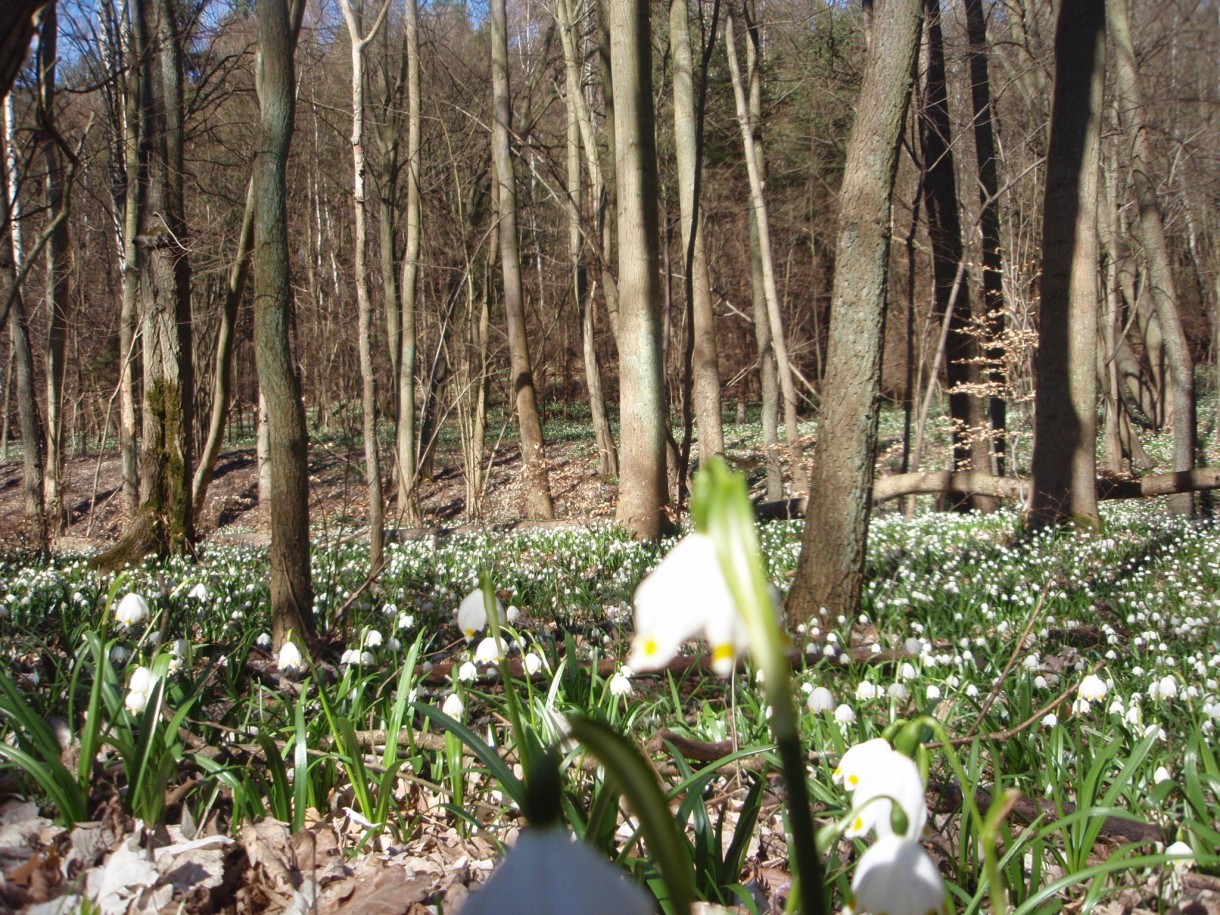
(337, 495)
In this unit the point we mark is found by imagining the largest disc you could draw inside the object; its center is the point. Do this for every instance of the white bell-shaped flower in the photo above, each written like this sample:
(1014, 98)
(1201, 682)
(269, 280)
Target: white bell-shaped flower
(472, 614)
(131, 610)
(139, 689)
(821, 699)
(548, 873)
(1092, 688)
(859, 760)
(453, 706)
(686, 595)
(289, 657)
(895, 780)
(896, 877)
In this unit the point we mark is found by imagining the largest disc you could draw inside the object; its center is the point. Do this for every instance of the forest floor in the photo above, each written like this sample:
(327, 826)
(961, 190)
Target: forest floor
(338, 497)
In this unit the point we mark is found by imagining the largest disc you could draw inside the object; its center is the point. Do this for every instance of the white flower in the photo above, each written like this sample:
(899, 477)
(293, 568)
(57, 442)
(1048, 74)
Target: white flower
(532, 663)
(139, 689)
(132, 608)
(372, 639)
(468, 672)
(1031, 662)
(472, 614)
(1165, 688)
(891, 779)
(865, 691)
(821, 700)
(685, 595)
(844, 714)
(1040, 682)
(620, 685)
(289, 657)
(489, 650)
(263, 640)
(453, 706)
(859, 760)
(406, 620)
(351, 657)
(513, 614)
(1092, 688)
(1162, 774)
(896, 877)
(1179, 849)
(199, 592)
(1049, 720)
(547, 873)
(932, 692)
(897, 691)
(119, 655)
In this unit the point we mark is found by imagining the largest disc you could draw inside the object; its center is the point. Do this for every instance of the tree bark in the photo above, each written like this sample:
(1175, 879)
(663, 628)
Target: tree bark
(705, 367)
(405, 462)
(538, 505)
(18, 21)
(57, 290)
(1065, 405)
(288, 442)
(643, 491)
(368, 377)
(1150, 230)
(830, 571)
(967, 403)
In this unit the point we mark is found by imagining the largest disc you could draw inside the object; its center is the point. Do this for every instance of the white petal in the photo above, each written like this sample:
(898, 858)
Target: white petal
(547, 873)
(896, 876)
(472, 614)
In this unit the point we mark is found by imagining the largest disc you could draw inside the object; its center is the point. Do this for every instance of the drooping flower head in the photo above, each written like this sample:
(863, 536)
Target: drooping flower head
(131, 609)
(896, 877)
(472, 613)
(139, 689)
(1092, 688)
(289, 657)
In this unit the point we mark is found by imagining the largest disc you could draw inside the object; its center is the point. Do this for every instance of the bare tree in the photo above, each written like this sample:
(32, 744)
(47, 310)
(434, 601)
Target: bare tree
(1065, 409)
(368, 377)
(288, 440)
(538, 505)
(830, 572)
(643, 491)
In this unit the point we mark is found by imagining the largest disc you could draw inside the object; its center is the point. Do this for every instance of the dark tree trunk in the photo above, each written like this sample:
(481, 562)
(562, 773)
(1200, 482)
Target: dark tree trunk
(830, 572)
(1065, 406)
(288, 442)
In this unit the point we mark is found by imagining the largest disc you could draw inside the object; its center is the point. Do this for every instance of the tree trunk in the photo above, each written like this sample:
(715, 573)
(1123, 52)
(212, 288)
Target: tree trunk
(17, 25)
(222, 377)
(538, 505)
(133, 110)
(989, 225)
(368, 378)
(643, 490)
(1065, 406)
(405, 464)
(830, 572)
(967, 406)
(1150, 230)
(56, 272)
(288, 442)
(758, 205)
(688, 130)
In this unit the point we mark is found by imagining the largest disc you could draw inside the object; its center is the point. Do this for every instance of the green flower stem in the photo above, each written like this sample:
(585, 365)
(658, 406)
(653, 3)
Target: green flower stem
(511, 706)
(730, 522)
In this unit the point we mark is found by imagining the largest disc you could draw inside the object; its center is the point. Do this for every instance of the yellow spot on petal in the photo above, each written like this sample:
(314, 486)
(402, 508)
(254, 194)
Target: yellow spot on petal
(858, 824)
(854, 779)
(722, 652)
(650, 647)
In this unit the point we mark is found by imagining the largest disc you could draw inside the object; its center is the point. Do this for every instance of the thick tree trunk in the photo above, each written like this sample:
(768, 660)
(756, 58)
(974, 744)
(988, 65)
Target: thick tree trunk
(705, 368)
(830, 572)
(1150, 230)
(1065, 406)
(288, 442)
(538, 505)
(967, 407)
(642, 491)
(17, 25)
(758, 205)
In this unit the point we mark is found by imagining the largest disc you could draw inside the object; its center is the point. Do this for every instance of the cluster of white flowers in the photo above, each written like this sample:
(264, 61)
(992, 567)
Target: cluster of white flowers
(895, 875)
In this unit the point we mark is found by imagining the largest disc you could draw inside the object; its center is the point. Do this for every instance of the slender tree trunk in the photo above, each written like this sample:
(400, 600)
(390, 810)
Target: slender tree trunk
(1151, 232)
(758, 205)
(705, 367)
(989, 226)
(967, 408)
(129, 439)
(643, 491)
(405, 464)
(538, 505)
(57, 296)
(830, 572)
(368, 377)
(288, 441)
(1065, 407)
(222, 377)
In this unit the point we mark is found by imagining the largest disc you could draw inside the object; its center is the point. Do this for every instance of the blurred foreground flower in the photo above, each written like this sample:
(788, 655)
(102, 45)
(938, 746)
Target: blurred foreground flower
(131, 610)
(548, 873)
(896, 877)
(683, 596)
(472, 613)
